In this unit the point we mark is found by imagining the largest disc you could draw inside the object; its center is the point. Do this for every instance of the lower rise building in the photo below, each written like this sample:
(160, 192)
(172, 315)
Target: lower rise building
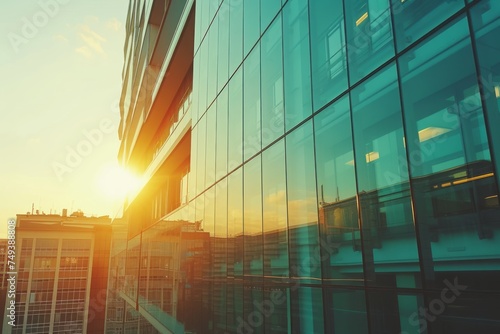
(62, 274)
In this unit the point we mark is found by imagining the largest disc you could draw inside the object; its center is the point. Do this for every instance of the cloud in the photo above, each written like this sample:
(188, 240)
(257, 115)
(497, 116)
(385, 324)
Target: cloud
(86, 29)
(114, 24)
(92, 19)
(85, 51)
(60, 38)
(93, 42)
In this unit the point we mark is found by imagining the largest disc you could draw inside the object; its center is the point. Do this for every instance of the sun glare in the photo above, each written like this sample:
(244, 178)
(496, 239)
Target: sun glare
(115, 182)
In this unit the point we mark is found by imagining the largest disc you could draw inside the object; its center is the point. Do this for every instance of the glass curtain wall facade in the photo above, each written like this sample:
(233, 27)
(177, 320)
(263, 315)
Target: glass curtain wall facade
(345, 162)
(340, 173)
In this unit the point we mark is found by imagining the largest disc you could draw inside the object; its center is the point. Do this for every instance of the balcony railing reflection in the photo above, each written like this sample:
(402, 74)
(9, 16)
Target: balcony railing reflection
(463, 198)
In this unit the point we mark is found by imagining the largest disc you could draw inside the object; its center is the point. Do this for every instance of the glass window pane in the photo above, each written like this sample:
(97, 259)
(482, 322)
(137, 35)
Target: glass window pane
(211, 117)
(195, 107)
(219, 308)
(208, 223)
(461, 312)
(378, 132)
(235, 121)
(251, 107)
(268, 9)
(213, 36)
(192, 187)
(369, 36)
(307, 310)
(384, 194)
(235, 34)
(235, 307)
(302, 204)
(202, 83)
(274, 210)
(235, 224)
(252, 217)
(220, 235)
(345, 311)
(251, 24)
(450, 163)
(393, 312)
(486, 21)
(278, 322)
(338, 212)
(200, 159)
(223, 52)
(328, 51)
(222, 132)
(253, 311)
(296, 62)
(272, 83)
(334, 152)
(413, 19)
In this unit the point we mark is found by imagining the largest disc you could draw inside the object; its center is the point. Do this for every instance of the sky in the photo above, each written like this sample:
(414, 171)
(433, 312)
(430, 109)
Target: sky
(60, 82)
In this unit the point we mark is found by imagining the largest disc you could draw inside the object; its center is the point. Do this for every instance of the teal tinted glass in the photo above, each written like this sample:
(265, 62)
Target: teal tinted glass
(272, 83)
(221, 135)
(251, 24)
(413, 19)
(252, 217)
(369, 36)
(213, 48)
(346, 311)
(268, 10)
(235, 121)
(296, 54)
(203, 77)
(307, 310)
(235, 34)
(394, 312)
(223, 48)
(302, 204)
(486, 23)
(278, 321)
(336, 183)
(251, 104)
(201, 154)
(456, 195)
(211, 138)
(328, 51)
(384, 193)
(274, 210)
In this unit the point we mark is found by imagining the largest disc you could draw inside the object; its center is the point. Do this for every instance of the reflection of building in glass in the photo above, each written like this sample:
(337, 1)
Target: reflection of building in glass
(62, 273)
(311, 167)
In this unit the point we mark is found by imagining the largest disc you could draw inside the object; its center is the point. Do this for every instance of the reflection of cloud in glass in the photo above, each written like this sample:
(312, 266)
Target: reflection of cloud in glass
(234, 214)
(302, 211)
(276, 198)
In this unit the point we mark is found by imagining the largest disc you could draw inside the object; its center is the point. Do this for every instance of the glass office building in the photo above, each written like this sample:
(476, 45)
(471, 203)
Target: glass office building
(338, 171)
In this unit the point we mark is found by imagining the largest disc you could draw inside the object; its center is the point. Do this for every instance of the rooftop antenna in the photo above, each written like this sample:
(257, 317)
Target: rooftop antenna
(32, 207)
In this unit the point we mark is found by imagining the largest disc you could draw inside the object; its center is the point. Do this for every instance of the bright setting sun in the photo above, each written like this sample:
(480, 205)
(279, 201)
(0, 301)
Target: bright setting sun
(116, 182)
